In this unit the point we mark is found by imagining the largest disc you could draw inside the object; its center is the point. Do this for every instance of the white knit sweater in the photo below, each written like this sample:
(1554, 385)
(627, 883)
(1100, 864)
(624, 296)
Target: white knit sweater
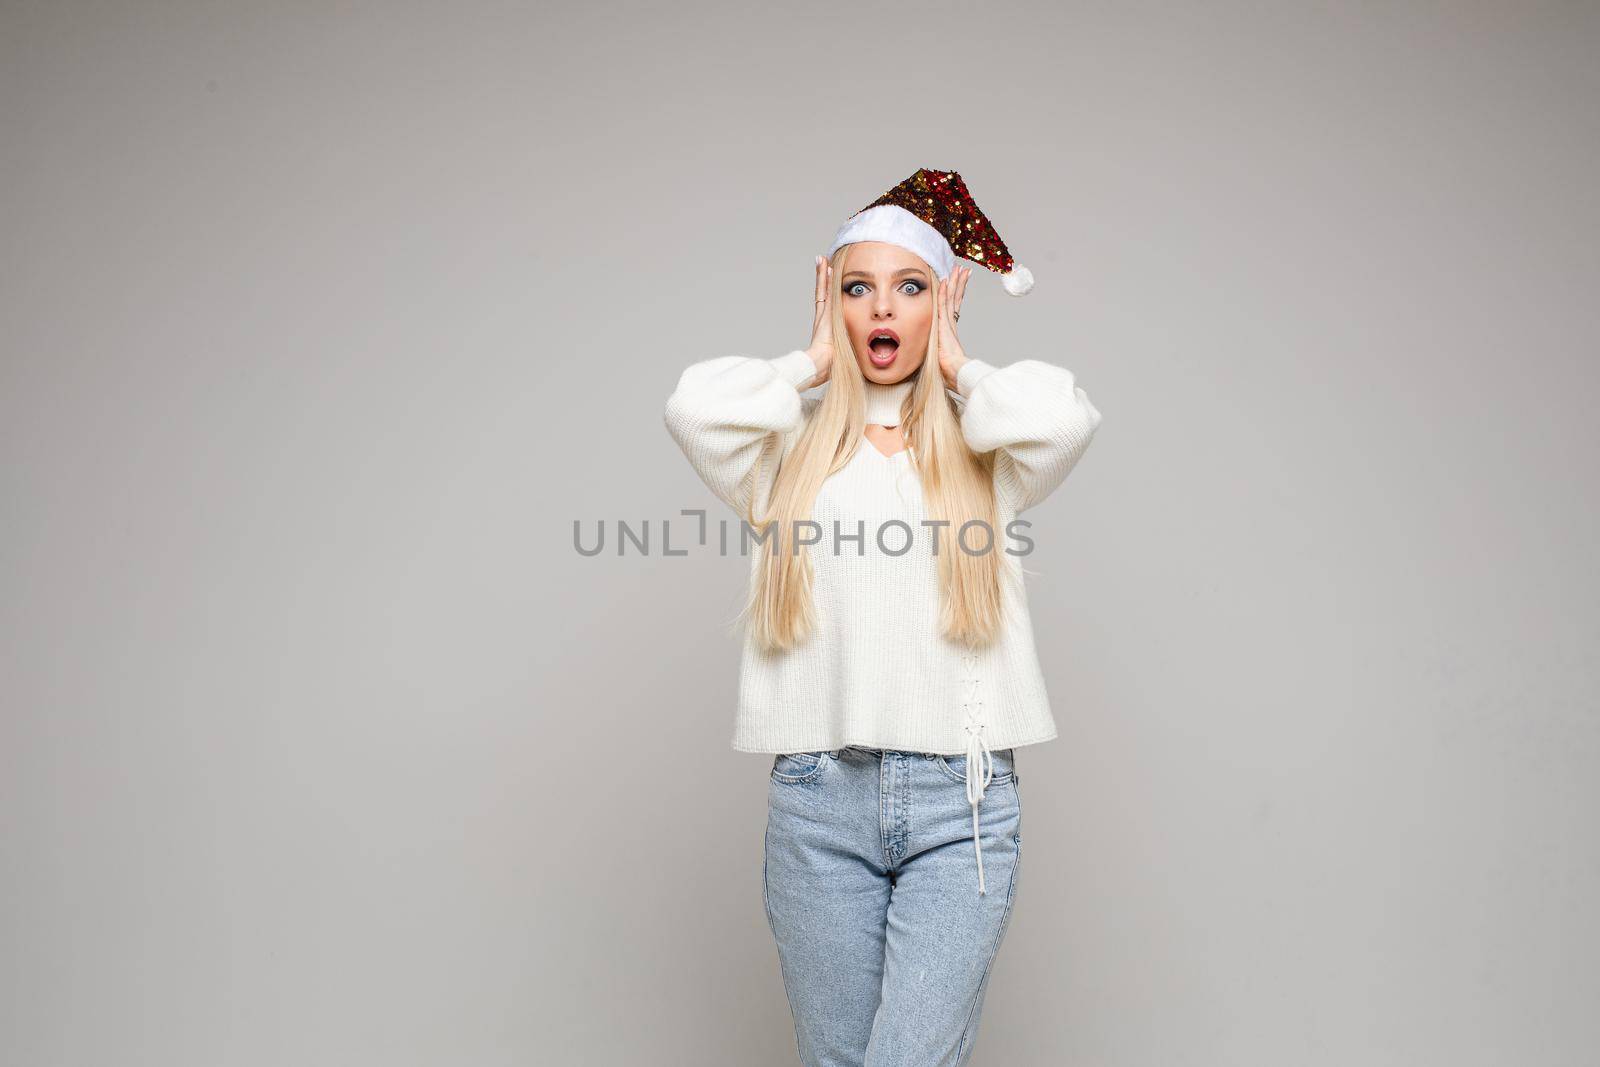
(876, 673)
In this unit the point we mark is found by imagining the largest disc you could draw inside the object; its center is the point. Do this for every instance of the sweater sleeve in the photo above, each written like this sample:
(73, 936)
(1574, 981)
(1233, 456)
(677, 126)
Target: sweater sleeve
(1035, 414)
(726, 412)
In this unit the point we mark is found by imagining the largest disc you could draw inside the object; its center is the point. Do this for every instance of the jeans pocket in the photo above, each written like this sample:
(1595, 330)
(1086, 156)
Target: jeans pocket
(1004, 764)
(790, 767)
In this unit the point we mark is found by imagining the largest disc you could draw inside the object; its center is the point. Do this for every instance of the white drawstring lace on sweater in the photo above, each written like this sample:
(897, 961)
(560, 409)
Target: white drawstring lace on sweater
(980, 760)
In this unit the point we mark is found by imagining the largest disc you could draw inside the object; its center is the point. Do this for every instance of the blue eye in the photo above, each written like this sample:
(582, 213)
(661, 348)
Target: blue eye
(917, 287)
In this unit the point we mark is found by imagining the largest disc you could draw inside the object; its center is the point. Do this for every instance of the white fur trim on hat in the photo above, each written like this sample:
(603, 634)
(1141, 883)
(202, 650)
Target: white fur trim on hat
(894, 225)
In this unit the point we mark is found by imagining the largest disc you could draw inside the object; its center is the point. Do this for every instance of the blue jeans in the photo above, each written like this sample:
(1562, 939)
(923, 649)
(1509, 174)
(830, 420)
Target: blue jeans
(871, 886)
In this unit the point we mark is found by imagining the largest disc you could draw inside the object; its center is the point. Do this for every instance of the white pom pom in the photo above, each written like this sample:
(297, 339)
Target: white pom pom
(1019, 281)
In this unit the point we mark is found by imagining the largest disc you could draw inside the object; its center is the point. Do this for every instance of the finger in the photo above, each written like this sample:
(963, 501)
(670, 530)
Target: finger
(961, 291)
(820, 295)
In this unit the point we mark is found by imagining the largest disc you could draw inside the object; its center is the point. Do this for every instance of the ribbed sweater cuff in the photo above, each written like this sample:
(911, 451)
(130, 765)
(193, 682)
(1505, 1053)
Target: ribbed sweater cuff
(971, 373)
(796, 368)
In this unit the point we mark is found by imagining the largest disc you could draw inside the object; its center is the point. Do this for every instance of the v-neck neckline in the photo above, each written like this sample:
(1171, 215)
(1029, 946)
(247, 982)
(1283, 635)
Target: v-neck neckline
(887, 458)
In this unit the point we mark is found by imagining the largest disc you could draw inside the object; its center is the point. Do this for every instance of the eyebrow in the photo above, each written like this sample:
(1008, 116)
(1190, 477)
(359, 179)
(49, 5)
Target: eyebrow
(904, 270)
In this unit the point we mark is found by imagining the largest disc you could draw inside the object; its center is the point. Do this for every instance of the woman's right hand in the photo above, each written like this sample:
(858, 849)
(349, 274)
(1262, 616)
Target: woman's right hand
(821, 348)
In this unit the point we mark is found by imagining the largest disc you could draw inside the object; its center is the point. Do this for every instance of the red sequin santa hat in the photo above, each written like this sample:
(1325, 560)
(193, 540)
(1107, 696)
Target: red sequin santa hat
(932, 214)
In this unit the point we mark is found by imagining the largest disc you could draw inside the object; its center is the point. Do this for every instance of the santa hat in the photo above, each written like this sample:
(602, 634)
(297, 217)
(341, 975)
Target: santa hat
(932, 214)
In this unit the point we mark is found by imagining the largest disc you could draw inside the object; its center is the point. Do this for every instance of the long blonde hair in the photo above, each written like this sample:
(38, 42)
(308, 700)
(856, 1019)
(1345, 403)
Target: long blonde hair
(957, 485)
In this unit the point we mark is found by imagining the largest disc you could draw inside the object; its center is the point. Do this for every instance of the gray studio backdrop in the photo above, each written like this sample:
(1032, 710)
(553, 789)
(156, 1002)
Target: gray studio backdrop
(322, 324)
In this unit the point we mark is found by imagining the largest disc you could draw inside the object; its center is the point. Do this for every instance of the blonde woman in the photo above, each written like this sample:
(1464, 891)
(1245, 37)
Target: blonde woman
(889, 665)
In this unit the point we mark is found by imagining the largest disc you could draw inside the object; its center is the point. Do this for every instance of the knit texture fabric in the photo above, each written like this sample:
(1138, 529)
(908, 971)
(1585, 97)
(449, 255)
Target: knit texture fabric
(876, 672)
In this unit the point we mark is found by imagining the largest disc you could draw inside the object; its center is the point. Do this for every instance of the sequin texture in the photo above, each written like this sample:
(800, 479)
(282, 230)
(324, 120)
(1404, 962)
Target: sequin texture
(940, 198)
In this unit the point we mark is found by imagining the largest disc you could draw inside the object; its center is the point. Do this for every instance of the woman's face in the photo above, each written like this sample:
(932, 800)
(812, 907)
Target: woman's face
(886, 290)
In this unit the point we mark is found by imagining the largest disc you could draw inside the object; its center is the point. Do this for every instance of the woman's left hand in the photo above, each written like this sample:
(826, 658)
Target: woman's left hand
(948, 295)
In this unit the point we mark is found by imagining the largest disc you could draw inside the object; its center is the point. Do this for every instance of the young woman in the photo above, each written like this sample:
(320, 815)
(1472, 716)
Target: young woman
(889, 664)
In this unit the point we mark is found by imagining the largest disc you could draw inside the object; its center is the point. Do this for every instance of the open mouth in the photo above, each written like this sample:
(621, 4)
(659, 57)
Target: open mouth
(883, 346)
